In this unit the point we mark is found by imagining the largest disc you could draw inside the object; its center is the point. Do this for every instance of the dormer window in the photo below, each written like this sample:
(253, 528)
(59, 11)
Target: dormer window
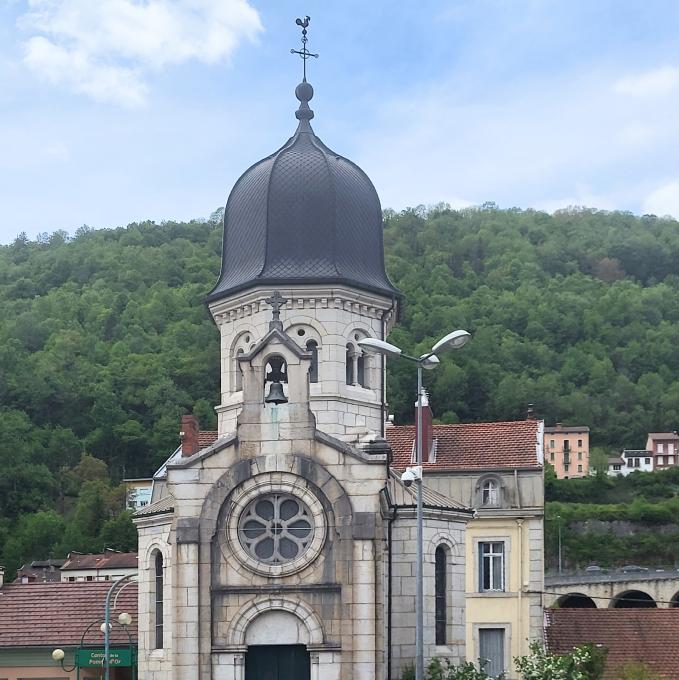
(489, 492)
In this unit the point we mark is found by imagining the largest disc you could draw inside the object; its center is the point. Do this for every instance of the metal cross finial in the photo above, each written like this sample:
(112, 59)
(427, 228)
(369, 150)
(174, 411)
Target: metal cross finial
(276, 301)
(304, 52)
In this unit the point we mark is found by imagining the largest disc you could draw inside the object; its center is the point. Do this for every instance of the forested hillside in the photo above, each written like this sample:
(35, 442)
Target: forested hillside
(105, 340)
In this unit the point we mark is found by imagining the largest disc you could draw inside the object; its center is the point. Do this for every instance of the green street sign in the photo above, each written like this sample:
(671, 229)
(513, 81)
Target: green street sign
(90, 658)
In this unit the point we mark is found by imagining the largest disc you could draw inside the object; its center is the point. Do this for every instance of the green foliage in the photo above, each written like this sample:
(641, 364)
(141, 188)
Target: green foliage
(36, 537)
(105, 341)
(635, 519)
(586, 662)
(443, 669)
(119, 533)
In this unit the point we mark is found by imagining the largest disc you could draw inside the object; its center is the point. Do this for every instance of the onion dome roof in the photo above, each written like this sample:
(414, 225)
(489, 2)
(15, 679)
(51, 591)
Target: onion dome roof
(304, 215)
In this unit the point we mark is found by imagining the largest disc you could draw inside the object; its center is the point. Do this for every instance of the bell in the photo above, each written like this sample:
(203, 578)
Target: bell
(276, 395)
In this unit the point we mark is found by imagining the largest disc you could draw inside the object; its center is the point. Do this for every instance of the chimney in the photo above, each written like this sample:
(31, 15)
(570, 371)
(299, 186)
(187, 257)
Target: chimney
(530, 412)
(189, 435)
(427, 428)
(2, 576)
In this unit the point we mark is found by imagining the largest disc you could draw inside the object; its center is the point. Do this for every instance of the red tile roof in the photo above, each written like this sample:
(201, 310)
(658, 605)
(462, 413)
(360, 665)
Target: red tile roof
(472, 445)
(54, 614)
(109, 559)
(647, 636)
(206, 438)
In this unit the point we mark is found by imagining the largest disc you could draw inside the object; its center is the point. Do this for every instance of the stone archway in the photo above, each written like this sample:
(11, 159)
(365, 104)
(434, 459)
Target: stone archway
(575, 601)
(633, 599)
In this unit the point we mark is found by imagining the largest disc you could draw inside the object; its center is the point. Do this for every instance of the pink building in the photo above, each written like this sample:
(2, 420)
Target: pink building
(665, 449)
(567, 450)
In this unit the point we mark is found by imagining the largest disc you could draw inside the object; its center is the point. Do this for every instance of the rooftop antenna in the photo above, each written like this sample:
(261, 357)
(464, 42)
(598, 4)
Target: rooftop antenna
(304, 52)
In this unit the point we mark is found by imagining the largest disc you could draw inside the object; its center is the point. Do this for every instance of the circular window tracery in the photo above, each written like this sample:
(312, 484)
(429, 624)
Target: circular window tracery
(276, 528)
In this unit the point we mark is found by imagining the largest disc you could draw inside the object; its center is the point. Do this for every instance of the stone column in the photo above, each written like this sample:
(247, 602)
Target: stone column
(186, 647)
(364, 610)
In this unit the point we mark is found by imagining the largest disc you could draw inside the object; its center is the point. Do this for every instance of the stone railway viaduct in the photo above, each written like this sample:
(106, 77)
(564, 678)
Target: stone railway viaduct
(614, 590)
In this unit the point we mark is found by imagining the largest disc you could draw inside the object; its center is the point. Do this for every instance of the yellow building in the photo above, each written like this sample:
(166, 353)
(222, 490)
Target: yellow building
(496, 468)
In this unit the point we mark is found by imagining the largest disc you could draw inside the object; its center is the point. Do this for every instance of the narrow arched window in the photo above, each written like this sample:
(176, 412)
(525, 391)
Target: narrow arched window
(350, 365)
(312, 346)
(239, 371)
(489, 493)
(158, 600)
(440, 593)
(360, 369)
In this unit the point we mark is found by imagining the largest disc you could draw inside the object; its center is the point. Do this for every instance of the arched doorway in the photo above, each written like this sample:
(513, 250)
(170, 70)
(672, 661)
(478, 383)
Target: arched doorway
(633, 599)
(277, 647)
(575, 601)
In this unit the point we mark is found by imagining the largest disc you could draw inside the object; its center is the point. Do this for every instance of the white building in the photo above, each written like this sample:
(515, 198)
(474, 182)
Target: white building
(629, 461)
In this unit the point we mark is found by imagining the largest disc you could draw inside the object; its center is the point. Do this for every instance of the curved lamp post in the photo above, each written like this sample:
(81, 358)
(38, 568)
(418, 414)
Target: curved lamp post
(429, 361)
(58, 655)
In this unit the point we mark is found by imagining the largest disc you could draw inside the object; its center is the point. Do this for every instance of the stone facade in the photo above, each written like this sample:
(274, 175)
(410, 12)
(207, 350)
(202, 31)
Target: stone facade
(221, 599)
(335, 319)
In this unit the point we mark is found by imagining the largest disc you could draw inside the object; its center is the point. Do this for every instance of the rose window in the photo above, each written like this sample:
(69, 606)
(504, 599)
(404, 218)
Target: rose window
(276, 528)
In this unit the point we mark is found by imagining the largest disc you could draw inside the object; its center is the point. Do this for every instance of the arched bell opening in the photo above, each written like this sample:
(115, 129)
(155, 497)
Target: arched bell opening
(633, 599)
(275, 380)
(575, 601)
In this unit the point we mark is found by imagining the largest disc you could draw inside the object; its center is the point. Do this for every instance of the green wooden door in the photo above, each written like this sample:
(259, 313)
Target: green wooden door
(277, 662)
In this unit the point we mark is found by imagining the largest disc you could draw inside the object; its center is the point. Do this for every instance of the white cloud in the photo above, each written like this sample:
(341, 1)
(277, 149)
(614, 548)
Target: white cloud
(545, 142)
(664, 200)
(656, 82)
(104, 48)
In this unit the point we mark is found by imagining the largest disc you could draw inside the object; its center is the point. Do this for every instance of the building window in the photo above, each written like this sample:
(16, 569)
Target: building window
(659, 448)
(630, 462)
(492, 651)
(579, 455)
(647, 461)
(579, 442)
(350, 365)
(670, 447)
(661, 460)
(490, 492)
(360, 370)
(238, 371)
(566, 445)
(616, 466)
(551, 443)
(312, 346)
(492, 566)
(579, 468)
(551, 456)
(637, 461)
(565, 467)
(670, 460)
(158, 600)
(440, 568)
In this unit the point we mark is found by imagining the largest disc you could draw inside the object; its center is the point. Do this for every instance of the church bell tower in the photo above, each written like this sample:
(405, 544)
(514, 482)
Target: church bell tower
(307, 223)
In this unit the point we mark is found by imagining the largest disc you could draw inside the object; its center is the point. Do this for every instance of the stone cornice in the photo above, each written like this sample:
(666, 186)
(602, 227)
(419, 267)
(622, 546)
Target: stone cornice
(301, 298)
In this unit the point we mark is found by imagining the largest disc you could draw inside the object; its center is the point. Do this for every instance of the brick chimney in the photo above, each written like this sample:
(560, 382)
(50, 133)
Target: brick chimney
(427, 427)
(530, 412)
(189, 435)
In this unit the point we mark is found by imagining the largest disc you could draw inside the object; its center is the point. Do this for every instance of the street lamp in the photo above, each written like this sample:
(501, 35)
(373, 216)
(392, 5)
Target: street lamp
(428, 361)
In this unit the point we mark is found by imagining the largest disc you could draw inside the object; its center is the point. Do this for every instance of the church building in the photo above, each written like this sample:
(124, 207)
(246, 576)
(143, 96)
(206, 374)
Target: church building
(285, 547)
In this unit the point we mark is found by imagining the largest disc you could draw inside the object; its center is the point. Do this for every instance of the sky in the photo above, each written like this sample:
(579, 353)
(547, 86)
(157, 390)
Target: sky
(115, 111)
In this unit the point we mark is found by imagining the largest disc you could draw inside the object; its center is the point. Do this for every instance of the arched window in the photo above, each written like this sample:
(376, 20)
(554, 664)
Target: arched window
(441, 619)
(158, 600)
(490, 493)
(239, 371)
(351, 379)
(312, 346)
(360, 369)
